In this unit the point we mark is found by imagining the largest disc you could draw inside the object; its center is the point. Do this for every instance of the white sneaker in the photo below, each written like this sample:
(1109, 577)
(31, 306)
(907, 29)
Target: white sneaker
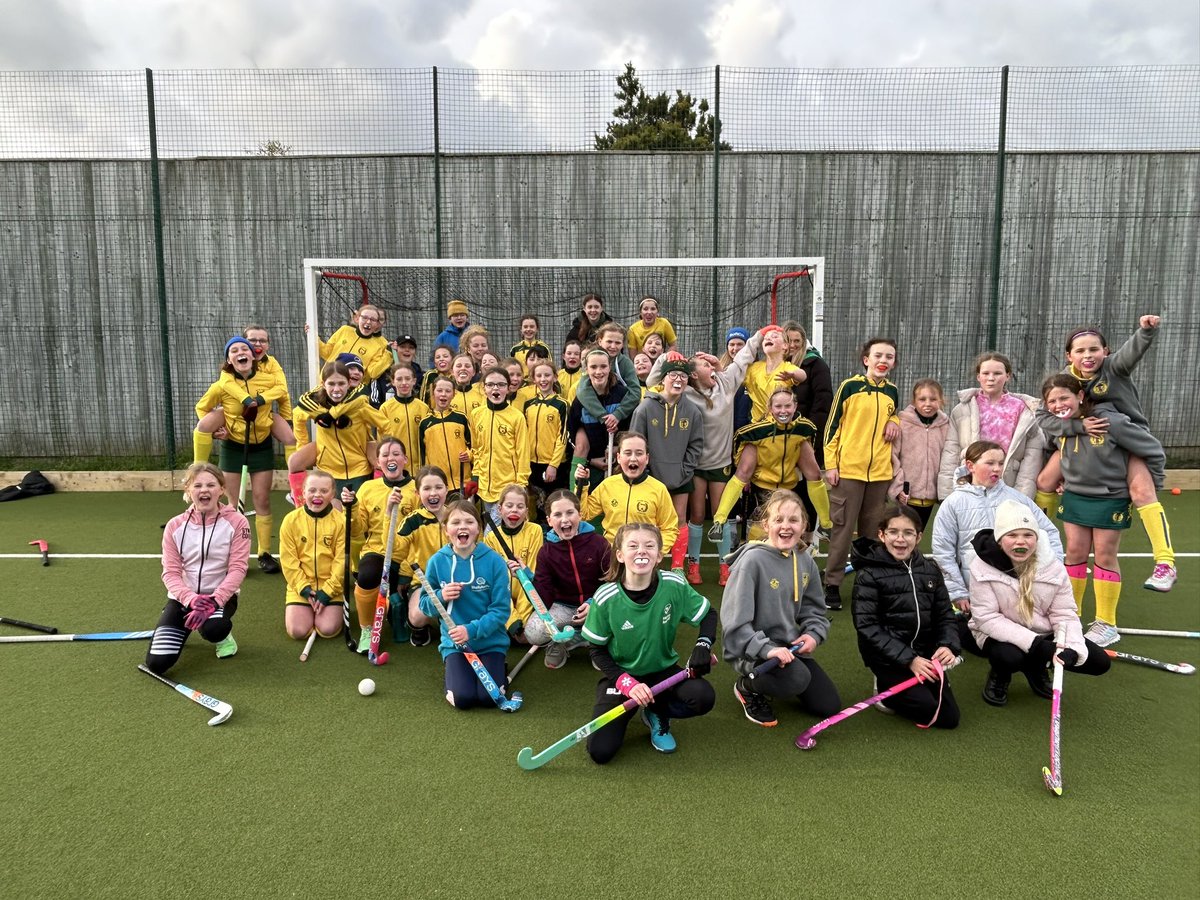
(1162, 579)
(1102, 634)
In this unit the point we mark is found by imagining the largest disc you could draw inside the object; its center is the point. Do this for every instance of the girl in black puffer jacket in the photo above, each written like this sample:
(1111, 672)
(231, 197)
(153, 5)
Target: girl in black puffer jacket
(904, 620)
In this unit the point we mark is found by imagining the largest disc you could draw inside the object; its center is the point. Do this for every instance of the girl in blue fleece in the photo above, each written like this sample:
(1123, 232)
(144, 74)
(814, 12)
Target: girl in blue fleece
(471, 580)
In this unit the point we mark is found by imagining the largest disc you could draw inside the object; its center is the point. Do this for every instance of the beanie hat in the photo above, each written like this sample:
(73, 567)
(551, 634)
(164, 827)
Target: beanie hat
(676, 362)
(456, 308)
(237, 340)
(1013, 516)
(737, 333)
(351, 360)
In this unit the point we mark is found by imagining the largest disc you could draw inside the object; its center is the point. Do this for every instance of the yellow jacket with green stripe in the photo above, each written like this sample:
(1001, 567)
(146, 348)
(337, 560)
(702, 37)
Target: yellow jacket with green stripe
(854, 443)
(778, 450)
(524, 545)
(404, 416)
(445, 435)
(546, 418)
(499, 448)
(370, 514)
(373, 350)
(420, 536)
(231, 389)
(310, 552)
(645, 499)
(341, 451)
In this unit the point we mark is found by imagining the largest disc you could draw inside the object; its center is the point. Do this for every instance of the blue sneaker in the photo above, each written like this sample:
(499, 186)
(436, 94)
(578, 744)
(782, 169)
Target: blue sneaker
(660, 732)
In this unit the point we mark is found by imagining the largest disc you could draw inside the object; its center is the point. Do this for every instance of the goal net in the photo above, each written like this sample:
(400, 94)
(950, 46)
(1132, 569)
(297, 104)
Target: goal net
(702, 298)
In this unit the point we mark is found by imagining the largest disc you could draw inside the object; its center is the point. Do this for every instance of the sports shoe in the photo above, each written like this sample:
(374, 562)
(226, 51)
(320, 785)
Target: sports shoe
(227, 647)
(1162, 579)
(268, 564)
(833, 596)
(716, 531)
(364, 640)
(660, 732)
(420, 636)
(1039, 682)
(556, 655)
(1102, 634)
(693, 572)
(724, 576)
(878, 704)
(677, 559)
(756, 707)
(995, 689)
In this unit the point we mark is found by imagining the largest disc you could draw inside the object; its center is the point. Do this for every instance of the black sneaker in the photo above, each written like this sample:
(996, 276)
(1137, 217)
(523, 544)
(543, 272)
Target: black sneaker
(1040, 683)
(833, 596)
(420, 636)
(267, 563)
(995, 689)
(755, 706)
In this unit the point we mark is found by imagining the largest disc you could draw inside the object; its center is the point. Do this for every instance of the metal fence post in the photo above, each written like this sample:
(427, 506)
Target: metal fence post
(437, 187)
(998, 217)
(164, 336)
(716, 204)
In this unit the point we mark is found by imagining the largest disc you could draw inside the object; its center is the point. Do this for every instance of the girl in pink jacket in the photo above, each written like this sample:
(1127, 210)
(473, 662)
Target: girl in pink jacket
(1020, 595)
(917, 452)
(204, 554)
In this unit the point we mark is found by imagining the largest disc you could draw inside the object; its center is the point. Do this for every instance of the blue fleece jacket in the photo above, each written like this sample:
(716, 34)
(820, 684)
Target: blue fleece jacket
(484, 604)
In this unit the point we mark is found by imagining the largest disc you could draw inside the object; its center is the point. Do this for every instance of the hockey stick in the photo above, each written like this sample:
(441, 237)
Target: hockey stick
(222, 709)
(1178, 668)
(481, 672)
(1155, 633)
(97, 636)
(806, 740)
(308, 645)
(241, 507)
(381, 602)
(559, 635)
(772, 663)
(521, 662)
(46, 629)
(1053, 775)
(529, 760)
(351, 644)
(608, 455)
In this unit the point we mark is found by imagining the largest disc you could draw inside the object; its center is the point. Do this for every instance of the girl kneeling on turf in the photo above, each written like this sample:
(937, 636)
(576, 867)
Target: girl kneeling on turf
(471, 580)
(632, 624)
(311, 542)
(772, 608)
(904, 619)
(205, 549)
(1020, 595)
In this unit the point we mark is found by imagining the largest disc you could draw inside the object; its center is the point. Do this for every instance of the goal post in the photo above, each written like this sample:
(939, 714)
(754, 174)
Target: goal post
(749, 291)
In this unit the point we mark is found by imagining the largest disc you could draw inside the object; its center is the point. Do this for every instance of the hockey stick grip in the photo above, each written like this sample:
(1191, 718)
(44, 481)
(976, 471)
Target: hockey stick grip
(45, 629)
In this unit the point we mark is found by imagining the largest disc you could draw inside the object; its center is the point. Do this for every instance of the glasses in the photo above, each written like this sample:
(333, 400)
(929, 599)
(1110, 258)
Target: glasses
(498, 385)
(368, 318)
(257, 340)
(897, 533)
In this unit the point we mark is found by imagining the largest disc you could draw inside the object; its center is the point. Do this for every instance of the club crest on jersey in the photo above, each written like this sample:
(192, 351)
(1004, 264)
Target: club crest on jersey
(1096, 440)
(684, 424)
(327, 540)
(480, 584)
(642, 506)
(1118, 518)
(503, 429)
(1100, 387)
(613, 502)
(803, 580)
(774, 583)
(666, 619)
(654, 422)
(628, 626)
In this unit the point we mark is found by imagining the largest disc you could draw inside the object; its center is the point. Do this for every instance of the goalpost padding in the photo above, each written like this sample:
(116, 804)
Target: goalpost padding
(413, 294)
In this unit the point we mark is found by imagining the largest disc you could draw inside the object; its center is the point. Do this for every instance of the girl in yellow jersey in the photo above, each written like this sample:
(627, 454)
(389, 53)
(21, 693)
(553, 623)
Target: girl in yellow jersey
(546, 418)
(364, 339)
(238, 409)
(774, 371)
(372, 505)
(530, 328)
(343, 420)
(310, 547)
(468, 392)
(404, 413)
(419, 537)
(445, 437)
(633, 495)
(443, 356)
(648, 323)
(518, 390)
(524, 539)
(571, 371)
(499, 440)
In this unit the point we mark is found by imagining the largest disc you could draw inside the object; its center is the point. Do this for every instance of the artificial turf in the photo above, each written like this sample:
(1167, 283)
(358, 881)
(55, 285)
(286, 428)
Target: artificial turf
(112, 785)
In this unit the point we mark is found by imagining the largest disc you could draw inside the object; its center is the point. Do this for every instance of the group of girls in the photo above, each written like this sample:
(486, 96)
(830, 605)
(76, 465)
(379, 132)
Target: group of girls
(480, 424)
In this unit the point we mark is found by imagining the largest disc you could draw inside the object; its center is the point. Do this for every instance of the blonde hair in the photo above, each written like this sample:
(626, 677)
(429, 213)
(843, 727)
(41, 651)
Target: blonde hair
(195, 470)
(1026, 571)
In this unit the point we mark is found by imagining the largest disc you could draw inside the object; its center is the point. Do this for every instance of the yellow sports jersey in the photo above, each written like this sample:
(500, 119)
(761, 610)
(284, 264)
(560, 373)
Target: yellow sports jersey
(524, 545)
(466, 400)
(524, 394)
(425, 391)
(760, 384)
(444, 436)
(270, 366)
(228, 392)
(568, 383)
(499, 449)
(620, 501)
(311, 552)
(373, 351)
(778, 448)
(520, 350)
(370, 514)
(546, 420)
(854, 443)
(404, 416)
(420, 536)
(342, 448)
(636, 334)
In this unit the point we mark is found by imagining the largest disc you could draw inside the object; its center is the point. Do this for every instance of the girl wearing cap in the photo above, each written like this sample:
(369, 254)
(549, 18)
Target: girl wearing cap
(650, 322)
(1020, 596)
(456, 312)
(237, 408)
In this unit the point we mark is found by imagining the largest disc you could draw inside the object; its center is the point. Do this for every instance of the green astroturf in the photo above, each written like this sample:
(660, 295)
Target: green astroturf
(112, 785)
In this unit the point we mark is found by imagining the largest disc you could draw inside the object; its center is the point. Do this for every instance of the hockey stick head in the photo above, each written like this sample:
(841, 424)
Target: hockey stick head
(512, 704)
(566, 634)
(378, 660)
(1053, 782)
(224, 711)
(805, 743)
(525, 759)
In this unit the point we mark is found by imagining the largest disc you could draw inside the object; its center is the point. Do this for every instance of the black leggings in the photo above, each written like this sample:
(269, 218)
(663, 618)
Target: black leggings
(691, 697)
(919, 702)
(806, 682)
(170, 634)
(1009, 658)
(370, 572)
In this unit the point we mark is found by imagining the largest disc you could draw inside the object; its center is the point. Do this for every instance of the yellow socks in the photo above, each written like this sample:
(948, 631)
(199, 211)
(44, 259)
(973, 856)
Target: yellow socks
(288, 450)
(819, 495)
(202, 442)
(729, 498)
(1154, 520)
(262, 528)
(1047, 502)
(1107, 585)
(1078, 576)
(364, 602)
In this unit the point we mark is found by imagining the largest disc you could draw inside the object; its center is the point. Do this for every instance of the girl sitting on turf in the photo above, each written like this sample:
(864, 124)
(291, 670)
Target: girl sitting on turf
(446, 436)
(372, 507)
(524, 539)
(570, 566)
(204, 549)
(904, 619)
(633, 495)
(772, 609)
(648, 323)
(632, 623)
(471, 581)
(917, 450)
(419, 537)
(311, 542)
(1020, 595)
(1095, 505)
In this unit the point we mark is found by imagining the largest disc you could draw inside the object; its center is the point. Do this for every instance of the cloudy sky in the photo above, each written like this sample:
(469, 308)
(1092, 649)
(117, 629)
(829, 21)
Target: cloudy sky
(594, 34)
